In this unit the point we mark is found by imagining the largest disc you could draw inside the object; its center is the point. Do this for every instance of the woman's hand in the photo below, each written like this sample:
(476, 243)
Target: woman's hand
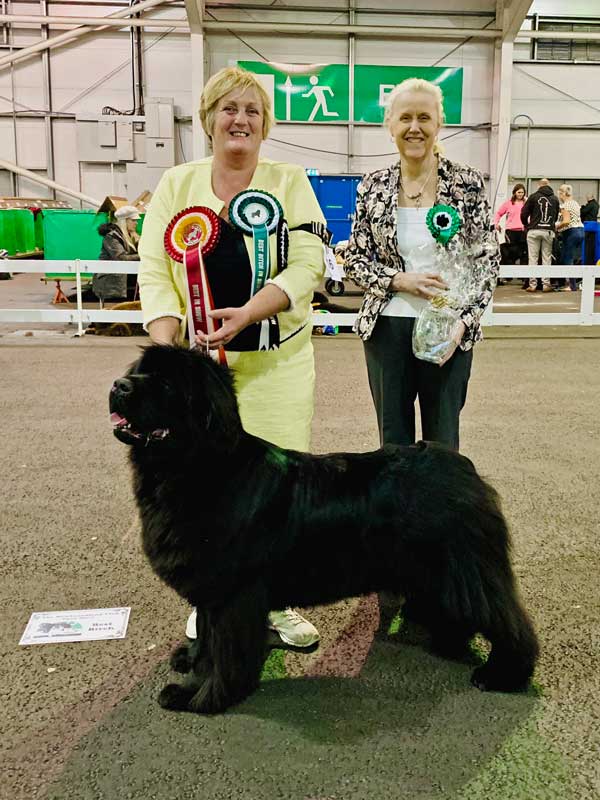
(233, 321)
(457, 335)
(419, 284)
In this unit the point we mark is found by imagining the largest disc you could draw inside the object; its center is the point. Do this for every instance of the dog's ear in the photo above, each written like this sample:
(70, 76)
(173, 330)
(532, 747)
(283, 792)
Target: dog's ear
(214, 405)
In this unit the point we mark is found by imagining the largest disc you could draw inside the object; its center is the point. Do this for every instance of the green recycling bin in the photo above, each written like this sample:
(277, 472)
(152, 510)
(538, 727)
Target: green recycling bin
(17, 231)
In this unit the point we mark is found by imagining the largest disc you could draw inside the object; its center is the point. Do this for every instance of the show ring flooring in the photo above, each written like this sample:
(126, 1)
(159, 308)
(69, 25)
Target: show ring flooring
(359, 719)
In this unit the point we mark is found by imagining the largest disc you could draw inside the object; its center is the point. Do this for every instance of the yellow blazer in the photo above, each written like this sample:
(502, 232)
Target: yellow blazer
(162, 281)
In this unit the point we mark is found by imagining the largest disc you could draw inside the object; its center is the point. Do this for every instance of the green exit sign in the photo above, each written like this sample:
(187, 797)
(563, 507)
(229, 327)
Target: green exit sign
(320, 92)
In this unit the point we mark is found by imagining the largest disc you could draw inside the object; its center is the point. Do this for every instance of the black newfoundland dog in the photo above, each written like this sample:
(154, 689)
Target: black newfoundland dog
(238, 526)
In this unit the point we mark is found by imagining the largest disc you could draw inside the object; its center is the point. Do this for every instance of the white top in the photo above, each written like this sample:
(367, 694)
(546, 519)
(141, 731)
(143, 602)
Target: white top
(573, 207)
(411, 231)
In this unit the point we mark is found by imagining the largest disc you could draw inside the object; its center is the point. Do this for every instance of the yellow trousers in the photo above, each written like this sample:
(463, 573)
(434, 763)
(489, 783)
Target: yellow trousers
(275, 391)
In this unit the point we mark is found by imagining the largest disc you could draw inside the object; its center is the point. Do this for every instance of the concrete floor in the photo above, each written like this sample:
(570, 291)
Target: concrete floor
(359, 719)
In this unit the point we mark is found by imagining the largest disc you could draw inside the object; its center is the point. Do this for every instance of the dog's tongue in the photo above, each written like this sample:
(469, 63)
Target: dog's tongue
(117, 419)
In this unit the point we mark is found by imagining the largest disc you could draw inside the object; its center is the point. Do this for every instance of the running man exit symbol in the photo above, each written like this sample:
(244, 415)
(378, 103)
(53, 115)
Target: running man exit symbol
(320, 101)
(304, 92)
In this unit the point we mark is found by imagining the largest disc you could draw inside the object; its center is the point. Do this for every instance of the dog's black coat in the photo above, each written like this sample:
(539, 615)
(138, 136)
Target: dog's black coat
(238, 526)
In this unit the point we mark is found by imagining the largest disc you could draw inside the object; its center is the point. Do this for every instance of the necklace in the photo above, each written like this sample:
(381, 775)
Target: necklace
(416, 197)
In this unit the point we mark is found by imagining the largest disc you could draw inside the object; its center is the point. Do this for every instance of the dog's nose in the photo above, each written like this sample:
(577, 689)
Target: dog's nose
(123, 386)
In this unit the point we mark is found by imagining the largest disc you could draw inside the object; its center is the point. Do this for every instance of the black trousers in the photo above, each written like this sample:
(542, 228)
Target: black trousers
(516, 247)
(397, 378)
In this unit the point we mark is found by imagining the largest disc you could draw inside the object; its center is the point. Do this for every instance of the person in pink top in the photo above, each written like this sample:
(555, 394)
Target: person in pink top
(515, 246)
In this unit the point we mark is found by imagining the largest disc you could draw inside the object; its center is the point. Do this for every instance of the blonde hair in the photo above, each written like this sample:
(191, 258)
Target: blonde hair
(566, 188)
(122, 223)
(223, 82)
(416, 85)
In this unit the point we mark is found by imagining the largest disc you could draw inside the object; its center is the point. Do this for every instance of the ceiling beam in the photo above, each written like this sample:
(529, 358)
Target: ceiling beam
(513, 16)
(195, 14)
(261, 28)
(88, 27)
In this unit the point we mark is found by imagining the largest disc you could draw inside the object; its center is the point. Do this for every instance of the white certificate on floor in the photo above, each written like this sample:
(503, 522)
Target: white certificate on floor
(84, 625)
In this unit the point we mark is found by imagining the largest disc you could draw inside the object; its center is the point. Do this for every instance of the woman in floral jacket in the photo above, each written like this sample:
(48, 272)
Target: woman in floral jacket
(391, 210)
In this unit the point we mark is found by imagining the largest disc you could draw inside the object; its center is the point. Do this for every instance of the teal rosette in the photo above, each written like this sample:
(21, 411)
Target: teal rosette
(257, 214)
(443, 222)
(250, 209)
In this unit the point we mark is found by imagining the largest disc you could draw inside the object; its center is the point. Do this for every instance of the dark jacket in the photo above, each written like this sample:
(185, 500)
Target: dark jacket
(114, 248)
(541, 210)
(589, 211)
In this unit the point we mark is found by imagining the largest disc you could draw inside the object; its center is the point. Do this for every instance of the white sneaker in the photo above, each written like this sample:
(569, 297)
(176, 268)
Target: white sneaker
(190, 626)
(292, 628)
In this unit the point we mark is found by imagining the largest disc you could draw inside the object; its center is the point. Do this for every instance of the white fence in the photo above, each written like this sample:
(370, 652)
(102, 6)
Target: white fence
(81, 317)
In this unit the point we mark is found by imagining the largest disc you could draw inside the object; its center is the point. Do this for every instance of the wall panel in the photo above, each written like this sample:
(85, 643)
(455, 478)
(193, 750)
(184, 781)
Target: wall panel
(95, 71)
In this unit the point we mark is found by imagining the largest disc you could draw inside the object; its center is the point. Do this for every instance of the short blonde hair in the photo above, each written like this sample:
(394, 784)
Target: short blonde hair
(223, 82)
(416, 85)
(566, 188)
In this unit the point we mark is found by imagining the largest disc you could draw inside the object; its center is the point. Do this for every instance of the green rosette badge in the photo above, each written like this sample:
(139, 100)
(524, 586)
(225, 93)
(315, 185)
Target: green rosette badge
(443, 223)
(257, 214)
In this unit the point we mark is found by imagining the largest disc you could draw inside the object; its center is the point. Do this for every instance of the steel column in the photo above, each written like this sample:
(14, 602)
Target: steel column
(195, 18)
(351, 62)
(47, 87)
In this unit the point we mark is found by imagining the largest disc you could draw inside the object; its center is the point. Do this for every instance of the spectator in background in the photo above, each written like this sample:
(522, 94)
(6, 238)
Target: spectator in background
(589, 211)
(515, 246)
(539, 215)
(119, 243)
(572, 227)
(4, 276)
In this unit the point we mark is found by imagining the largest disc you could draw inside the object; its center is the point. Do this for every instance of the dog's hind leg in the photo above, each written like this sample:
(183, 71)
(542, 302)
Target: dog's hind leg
(478, 594)
(449, 637)
(473, 591)
(514, 648)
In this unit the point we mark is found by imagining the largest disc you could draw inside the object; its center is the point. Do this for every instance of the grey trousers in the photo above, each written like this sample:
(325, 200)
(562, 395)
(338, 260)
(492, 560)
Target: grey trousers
(397, 378)
(539, 240)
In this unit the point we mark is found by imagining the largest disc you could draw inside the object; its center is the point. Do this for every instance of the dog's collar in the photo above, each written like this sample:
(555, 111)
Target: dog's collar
(154, 436)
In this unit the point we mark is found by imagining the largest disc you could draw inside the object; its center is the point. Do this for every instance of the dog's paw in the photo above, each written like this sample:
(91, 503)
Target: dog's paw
(488, 680)
(180, 660)
(208, 703)
(211, 698)
(175, 697)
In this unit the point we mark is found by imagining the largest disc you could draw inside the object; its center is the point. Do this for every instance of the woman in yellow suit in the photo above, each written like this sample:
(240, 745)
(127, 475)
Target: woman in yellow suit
(274, 380)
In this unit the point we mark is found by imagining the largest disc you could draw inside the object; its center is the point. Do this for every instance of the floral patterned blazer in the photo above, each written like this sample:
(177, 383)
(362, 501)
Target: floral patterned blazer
(372, 257)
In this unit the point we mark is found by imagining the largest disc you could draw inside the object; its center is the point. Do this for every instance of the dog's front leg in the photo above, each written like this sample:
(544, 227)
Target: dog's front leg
(227, 669)
(236, 635)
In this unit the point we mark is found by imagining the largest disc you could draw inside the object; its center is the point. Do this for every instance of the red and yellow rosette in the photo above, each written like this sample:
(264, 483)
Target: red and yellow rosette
(196, 225)
(192, 233)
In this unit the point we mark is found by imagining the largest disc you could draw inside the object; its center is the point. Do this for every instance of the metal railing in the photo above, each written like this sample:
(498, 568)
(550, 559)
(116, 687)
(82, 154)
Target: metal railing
(81, 317)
